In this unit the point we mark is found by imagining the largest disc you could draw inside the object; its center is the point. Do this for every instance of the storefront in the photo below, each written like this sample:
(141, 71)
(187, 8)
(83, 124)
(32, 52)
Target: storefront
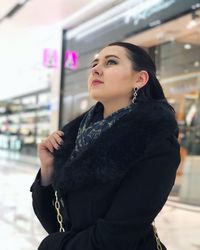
(25, 122)
(170, 31)
(162, 27)
(29, 102)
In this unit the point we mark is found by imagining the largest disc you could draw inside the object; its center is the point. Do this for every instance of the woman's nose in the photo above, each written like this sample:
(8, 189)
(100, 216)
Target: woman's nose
(97, 70)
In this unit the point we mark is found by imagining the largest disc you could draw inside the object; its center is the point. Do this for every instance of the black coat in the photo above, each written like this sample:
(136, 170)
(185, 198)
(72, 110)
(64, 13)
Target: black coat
(113, 190)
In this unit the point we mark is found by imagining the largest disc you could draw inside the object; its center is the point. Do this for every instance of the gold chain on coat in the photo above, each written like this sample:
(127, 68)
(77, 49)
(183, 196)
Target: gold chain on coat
(60, 221)
(159, 247)
(59, 216)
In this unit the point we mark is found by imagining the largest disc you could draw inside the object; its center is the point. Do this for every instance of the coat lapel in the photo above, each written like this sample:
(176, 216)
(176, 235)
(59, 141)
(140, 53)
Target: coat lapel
(117, 149)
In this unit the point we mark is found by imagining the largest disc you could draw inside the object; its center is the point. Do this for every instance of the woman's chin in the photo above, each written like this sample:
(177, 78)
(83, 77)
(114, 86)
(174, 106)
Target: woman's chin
(95, 97)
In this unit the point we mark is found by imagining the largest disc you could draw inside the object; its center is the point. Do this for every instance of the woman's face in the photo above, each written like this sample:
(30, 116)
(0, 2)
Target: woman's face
(111, 75)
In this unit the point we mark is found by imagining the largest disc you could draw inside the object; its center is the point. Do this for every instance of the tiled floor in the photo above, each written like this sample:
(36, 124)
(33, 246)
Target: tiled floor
(178, 226)
(19, 228)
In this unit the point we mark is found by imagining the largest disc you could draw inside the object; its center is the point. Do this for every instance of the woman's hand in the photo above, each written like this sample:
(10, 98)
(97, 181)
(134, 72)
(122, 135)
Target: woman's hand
(45, 153)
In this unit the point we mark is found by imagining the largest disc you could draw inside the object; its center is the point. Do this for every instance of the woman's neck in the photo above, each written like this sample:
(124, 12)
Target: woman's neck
(110, 108)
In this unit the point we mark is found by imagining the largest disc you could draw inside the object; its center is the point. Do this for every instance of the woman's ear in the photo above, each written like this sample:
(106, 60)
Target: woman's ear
(142, 78)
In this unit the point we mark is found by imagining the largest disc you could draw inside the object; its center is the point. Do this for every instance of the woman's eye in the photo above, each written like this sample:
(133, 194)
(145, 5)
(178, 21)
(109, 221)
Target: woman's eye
(111, 62)
(93, 65)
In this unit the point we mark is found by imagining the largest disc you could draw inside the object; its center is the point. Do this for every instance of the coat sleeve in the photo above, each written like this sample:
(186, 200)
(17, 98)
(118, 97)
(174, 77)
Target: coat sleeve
(42, 198)
(141, 196)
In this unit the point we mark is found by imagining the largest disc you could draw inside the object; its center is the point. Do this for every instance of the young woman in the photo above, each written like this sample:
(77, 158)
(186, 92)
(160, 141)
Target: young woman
(107, 174)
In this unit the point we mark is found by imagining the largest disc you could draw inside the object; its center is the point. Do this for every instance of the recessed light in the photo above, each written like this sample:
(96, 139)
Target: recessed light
(191, 24)
(196, 64)
(171, 100)
(187, 46)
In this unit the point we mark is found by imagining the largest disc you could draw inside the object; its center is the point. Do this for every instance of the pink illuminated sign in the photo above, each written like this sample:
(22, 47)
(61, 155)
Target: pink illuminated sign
(71, 60)
(50, 58)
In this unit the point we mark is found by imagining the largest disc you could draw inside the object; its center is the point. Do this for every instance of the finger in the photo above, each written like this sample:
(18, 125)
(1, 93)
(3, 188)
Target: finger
(60, 132)
(48, 145)
(54, 143)
(58, 138)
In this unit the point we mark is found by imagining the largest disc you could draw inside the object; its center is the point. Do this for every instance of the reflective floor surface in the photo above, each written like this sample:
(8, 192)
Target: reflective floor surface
(178, 225)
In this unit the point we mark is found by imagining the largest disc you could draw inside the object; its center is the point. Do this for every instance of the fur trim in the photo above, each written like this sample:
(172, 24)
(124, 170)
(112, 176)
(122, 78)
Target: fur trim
(111, 155)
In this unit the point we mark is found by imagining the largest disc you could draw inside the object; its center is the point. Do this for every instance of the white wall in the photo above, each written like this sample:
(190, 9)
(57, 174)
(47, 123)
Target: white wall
(21, 60)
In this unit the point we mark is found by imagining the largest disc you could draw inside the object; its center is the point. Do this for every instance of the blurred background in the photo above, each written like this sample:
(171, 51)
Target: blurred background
(45, 50)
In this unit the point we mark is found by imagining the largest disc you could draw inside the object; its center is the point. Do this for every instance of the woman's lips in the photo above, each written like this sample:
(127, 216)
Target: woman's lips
(96, 82)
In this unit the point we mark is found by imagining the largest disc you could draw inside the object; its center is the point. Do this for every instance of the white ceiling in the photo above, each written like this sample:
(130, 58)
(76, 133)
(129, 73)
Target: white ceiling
(38, 19)
(5, 6)
(47, 15)
(34, 20)
(38, 12)
(46, 12)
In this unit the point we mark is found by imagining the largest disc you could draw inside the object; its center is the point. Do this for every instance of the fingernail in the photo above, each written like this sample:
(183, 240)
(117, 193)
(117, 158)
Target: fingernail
(62, 142)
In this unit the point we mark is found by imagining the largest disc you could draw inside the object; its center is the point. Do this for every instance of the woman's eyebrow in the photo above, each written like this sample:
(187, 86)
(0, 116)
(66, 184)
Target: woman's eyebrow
(96, 60)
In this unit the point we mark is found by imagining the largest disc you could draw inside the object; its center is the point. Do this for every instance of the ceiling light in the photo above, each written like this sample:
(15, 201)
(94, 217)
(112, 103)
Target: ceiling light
(171, 100)
(187, 46)
(191, 24)
(196, 64)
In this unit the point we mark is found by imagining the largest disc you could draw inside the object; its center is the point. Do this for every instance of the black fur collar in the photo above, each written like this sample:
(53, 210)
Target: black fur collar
(116, 150)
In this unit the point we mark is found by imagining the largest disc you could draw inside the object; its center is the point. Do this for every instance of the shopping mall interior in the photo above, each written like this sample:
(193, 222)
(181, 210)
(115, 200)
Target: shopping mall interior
(46, 48)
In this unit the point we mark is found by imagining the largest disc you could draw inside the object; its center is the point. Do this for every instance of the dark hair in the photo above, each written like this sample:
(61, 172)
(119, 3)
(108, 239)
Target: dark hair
(141, 60)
